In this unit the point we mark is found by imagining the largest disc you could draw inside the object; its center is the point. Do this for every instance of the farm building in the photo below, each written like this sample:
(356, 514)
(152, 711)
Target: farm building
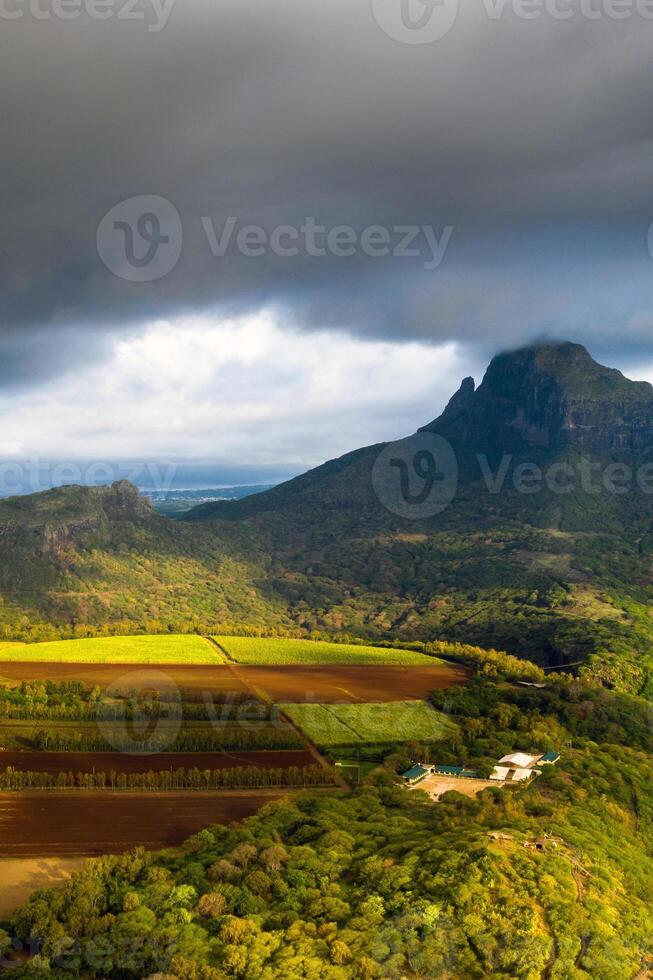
(444, 770)
(419, 772)
(518, 766)
(499, 773)
(518, 760)
(415, 775)
(510, 774)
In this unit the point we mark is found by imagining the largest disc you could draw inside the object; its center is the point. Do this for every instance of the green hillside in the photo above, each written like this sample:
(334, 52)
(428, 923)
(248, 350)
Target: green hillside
(559, 577)
(79, 560)
(564, 578)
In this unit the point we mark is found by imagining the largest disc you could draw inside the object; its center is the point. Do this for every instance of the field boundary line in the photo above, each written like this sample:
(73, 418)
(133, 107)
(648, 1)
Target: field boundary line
(315, 752)
(345, 724)
(211, 640)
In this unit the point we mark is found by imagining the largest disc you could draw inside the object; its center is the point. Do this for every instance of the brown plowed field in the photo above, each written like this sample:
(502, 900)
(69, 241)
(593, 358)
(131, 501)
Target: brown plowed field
(327, 684)
(54, 762)
(35, 824)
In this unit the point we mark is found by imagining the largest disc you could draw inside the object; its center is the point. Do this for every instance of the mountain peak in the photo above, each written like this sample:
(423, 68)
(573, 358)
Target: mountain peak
(569, 365)
(550, 396)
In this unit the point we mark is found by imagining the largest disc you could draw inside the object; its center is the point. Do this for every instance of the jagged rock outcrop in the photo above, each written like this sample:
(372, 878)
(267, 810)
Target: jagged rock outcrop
(550, 397)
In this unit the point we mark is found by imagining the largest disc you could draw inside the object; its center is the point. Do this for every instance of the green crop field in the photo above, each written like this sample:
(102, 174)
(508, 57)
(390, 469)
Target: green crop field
(331, 725)
(164, 649)
(257, 650)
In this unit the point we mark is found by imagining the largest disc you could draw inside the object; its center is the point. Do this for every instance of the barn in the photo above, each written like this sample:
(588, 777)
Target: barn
(415, 774)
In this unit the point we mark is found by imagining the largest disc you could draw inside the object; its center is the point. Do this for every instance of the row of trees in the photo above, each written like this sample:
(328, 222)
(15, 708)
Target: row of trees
(245, 777)
(75, 701)
(243, 739)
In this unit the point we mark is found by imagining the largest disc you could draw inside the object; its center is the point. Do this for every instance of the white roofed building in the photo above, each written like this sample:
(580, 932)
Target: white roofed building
(499, 773)
(518, 774)
(511, 774)
(518, 760)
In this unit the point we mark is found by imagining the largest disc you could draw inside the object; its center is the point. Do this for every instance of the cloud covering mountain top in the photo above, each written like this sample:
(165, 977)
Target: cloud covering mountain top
(527, 137)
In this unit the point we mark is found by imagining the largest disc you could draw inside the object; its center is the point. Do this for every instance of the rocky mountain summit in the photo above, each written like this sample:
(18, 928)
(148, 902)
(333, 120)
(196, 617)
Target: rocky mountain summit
(551, 397)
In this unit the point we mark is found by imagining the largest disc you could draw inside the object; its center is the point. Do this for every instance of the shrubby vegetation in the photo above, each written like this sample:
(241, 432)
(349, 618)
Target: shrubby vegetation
(374, 885)
(382, 884)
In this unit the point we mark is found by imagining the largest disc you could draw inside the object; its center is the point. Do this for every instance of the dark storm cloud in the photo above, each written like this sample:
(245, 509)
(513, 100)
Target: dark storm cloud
(530, 137)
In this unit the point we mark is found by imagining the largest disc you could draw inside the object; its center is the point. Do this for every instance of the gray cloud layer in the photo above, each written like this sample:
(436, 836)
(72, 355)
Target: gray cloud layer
(530, 137)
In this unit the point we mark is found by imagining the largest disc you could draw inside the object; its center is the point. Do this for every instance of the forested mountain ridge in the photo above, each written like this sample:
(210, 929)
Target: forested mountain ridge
(102, 558)
(544, 549)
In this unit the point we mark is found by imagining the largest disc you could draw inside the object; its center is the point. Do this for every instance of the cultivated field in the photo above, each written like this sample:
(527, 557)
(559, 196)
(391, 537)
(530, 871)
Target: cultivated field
(119, 762)
(334, 725)
(6, 647)
(53, 824)
(260, 650)
(326, 684)
(164, 649)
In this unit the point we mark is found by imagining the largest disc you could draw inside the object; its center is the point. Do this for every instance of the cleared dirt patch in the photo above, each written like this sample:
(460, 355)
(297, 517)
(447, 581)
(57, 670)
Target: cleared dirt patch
(54, 762)
(84, 824)
(22, 877)
(435, 786)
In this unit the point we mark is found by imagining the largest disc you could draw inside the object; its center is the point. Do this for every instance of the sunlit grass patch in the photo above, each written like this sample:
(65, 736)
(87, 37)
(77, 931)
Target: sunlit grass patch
(330, 725)
(160, 649)
(263, 650)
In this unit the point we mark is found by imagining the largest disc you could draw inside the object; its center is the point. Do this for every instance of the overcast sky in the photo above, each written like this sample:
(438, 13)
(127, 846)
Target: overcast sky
(514, 154)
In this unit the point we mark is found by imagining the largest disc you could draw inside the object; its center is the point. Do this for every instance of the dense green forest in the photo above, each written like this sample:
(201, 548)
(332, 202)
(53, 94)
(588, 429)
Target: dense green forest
(382, 883)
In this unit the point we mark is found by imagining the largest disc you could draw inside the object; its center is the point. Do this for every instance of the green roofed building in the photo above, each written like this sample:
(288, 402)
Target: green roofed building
(443, 770)
(415, 775)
